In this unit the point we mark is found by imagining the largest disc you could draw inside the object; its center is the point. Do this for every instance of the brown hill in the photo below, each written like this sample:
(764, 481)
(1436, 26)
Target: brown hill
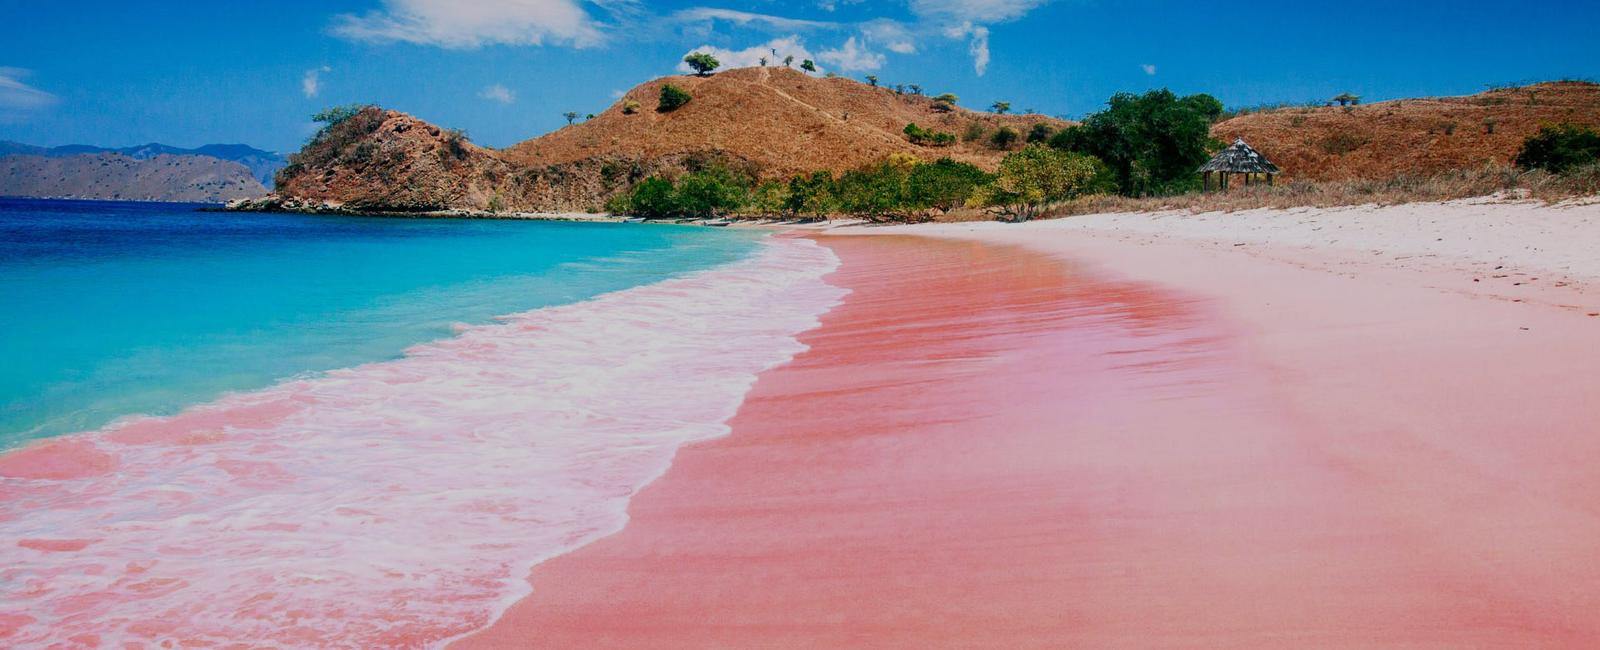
(200, 179)
(781, 120)
(773, 122)
(1411, 136)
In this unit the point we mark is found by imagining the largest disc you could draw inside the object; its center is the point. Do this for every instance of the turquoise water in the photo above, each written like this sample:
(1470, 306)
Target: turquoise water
(110, 309)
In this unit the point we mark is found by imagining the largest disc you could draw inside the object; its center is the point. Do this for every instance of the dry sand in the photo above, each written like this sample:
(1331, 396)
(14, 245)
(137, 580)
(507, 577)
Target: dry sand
(1118, 431)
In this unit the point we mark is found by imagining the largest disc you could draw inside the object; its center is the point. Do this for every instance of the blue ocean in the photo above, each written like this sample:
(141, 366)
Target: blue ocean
(110, 309)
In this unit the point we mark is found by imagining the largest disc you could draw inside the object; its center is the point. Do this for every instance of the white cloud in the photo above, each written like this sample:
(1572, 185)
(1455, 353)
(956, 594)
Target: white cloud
(697, 14)
(498, 93)
(852, 57)
(465, 24)
(978, 47)
(618, 92)
(976, 11)
(892, 35)
(790, 45)
(311, 83)
(969, 19)
(18, 96)
(1149, 68)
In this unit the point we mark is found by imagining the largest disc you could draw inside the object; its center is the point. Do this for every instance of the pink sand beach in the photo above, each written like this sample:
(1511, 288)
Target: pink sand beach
(1109, 431)
(1075, 435)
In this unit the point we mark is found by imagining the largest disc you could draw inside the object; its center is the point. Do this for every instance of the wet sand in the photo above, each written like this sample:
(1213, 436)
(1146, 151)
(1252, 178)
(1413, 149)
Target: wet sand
(1100, 440)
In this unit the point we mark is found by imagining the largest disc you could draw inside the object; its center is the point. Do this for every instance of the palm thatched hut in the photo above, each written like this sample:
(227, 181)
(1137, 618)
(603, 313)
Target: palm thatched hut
(1238, 158)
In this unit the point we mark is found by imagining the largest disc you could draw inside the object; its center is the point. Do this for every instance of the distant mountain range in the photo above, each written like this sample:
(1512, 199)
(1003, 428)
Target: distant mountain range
(262, 164)
(150, 172)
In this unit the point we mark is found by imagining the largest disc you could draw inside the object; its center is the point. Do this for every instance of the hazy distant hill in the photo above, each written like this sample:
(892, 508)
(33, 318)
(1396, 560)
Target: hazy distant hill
(160, 177)
(262, 164)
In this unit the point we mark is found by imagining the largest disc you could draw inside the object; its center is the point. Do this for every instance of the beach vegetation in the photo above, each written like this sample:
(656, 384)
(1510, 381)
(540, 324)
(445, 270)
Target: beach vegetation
(1558, 148)
(672, 98)
(1152, 142)
(702, 63)
(1037, 176)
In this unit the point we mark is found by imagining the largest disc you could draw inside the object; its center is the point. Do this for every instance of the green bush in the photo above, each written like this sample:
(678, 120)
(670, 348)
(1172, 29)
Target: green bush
(1040, 132)
(1031, 179)
(928, 137)
(943, 185)
(712, 192)
(1153, 143)
(1559, 148)
(976, 130)
(630, 107)
(811, 195)
(808, 66)
(1004, 137)
(672, 98)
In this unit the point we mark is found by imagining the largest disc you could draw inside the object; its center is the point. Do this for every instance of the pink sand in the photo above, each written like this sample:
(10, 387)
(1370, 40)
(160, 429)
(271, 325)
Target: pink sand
(990, 446)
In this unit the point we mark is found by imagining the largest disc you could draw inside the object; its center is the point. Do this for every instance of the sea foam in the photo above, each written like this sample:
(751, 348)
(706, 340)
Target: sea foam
(394, 504)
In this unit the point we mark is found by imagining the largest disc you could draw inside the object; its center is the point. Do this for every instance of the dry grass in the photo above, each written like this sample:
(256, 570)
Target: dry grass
(1448, 186)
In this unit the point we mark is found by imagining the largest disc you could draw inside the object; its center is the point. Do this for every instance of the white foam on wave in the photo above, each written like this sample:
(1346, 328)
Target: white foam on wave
(395, 504)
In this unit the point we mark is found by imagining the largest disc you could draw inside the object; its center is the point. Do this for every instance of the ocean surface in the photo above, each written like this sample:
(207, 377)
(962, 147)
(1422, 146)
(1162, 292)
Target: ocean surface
(119, 308)
(286, 432)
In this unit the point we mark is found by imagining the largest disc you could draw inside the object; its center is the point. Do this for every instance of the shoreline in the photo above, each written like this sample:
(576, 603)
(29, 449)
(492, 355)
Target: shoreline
(1269, 445)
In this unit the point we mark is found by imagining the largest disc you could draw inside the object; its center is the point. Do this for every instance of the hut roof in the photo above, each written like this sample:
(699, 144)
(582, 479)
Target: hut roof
(1239, 159)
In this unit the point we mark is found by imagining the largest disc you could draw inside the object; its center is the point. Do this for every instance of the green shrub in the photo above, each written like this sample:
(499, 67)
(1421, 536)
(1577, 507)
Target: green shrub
(928, 137)
(945, 103)
(808, 66)
(975, 131)
(943, 185)
(672, 98)
(1559, 148)
(1040, 132)
(711, 192)
(811, 195)
(1038, 175)
(651, 198)
(630, 107)
(1004, 137)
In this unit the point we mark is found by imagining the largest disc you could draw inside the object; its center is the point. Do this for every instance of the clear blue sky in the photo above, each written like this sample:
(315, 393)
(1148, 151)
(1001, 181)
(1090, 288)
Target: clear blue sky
(190, 73)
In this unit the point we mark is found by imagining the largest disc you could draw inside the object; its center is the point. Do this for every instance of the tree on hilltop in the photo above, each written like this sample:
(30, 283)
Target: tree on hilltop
(808, 66)
(945, 103)
(914, 88)
(872, 79)
(788, 61)
(1347, 99)
(1001, 107)
(571, 116)
(763, 62)
(702, 62)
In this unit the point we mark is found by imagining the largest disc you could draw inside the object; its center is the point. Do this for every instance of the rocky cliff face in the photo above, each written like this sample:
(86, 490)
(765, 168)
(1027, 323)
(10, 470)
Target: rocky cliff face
(199, 179)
